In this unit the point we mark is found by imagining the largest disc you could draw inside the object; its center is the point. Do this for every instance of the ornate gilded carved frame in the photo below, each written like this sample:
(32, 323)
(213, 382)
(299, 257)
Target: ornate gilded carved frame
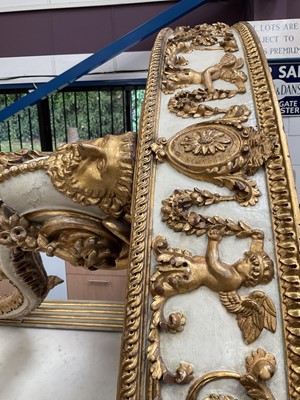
(152, 279)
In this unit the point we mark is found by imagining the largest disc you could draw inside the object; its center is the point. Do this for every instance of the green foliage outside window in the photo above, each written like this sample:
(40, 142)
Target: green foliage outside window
(94, 113)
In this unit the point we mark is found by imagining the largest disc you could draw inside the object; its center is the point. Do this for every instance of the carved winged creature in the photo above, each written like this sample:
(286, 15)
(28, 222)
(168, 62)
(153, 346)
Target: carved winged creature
(253, 312)
(180, 272)
(74, 203)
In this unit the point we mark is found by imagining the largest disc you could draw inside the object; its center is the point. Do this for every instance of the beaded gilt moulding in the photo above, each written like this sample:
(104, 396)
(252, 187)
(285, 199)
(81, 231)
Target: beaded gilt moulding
(212, 308)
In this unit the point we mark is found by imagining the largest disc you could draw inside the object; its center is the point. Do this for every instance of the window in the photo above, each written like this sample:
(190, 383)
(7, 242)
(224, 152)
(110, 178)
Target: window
(94, 111)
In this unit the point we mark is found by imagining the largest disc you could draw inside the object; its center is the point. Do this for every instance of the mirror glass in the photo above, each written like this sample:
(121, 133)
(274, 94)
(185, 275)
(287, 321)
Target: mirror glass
(90, 300)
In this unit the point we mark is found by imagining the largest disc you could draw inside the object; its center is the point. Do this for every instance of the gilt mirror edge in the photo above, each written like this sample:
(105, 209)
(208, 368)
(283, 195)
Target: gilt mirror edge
(73, 315)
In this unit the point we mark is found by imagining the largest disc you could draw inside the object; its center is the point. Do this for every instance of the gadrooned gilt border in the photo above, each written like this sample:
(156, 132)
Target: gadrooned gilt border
(283, 203)
(131, 377)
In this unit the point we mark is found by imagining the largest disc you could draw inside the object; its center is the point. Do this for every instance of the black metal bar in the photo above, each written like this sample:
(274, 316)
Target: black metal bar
(128, 110)
(45, 125)
(100, 113)
(20, 131)
(19, 123)
(30, 127)
(111, 111)
(136, 108)
(8, 126)
(53, 120)
(75, 108)
(65, 116)
(88, 113)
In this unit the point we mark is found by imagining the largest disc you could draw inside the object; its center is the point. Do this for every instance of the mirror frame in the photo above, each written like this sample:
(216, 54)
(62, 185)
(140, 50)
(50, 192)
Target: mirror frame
(70, 314)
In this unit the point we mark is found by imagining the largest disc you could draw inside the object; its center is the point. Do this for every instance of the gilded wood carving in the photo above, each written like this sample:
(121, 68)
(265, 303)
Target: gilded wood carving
(228, 146)
(220, 153)
(260, 367)
(237, 133)
(97, 173)
(179, 272)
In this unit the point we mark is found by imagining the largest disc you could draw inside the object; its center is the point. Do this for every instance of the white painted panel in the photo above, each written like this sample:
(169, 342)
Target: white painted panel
(211, 339)
(22, 67)
(294, 148)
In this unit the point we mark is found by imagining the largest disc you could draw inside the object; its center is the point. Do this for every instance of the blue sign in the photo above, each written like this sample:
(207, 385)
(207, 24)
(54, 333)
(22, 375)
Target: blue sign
(286, 79)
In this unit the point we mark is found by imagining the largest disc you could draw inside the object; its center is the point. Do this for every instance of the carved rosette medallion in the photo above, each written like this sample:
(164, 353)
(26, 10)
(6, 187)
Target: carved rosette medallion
(221, 152)
(195, 149)
(215, 149)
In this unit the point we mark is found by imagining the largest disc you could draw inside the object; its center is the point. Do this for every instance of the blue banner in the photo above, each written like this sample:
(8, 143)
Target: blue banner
(286, 79)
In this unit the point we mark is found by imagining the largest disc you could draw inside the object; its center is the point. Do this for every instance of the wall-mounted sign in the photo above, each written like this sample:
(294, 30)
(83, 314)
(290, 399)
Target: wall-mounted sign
(286, 79)
(280, 38)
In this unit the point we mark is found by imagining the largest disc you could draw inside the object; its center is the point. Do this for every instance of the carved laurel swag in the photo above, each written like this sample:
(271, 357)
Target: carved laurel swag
(83, 241)
(176, 214)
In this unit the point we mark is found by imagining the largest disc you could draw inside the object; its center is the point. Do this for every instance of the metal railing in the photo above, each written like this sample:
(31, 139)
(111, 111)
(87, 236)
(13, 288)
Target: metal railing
(120, 45)
(94, 111)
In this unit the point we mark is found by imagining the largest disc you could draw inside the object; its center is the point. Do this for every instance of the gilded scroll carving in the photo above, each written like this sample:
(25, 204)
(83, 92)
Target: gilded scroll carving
(260, 367)
(32, 284)
(219, 153)
(80, 239)
(98, 172)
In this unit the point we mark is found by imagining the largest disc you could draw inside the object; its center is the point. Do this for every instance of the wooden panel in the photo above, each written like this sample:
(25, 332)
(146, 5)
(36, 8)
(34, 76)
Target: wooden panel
(95, 287)
(70, 269)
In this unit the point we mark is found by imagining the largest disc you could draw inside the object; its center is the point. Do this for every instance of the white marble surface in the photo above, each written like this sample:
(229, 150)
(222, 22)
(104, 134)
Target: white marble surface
(47, 364)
